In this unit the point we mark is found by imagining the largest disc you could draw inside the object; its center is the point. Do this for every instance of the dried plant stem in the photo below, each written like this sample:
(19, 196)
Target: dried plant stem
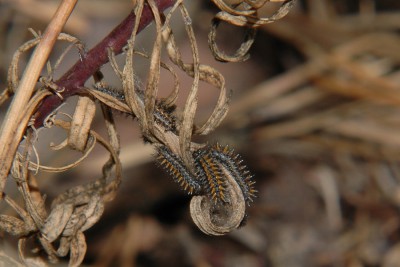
(74, 79)
(11, 130)
(71, 82)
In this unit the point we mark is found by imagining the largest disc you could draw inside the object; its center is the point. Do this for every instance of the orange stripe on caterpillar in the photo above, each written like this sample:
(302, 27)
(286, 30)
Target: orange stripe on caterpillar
(234, 164)
(176, 168)
(210, 175)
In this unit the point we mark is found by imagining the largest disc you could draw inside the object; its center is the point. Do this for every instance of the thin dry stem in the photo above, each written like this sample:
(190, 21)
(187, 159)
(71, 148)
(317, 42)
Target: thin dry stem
(13, 128)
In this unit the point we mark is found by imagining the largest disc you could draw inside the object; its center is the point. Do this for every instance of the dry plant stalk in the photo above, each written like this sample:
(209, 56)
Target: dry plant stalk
(222, 185)
(14, 125)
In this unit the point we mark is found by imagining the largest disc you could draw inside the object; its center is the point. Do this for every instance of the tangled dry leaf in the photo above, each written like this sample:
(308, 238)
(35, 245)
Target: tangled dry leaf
(222, 218)
(242, 14)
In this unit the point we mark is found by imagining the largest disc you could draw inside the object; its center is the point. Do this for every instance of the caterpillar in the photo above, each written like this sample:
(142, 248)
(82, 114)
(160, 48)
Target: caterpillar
(210, 174)
(163, 116)
(118, 94)
(162, 113)
(234, 164)
(177, 169)
(209, 178)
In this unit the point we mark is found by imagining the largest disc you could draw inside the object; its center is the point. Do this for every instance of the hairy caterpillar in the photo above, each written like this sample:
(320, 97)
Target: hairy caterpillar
(178, 170)
(210, 163)
(234, 164)
(209, 178)
(162, 113)
(210, 174)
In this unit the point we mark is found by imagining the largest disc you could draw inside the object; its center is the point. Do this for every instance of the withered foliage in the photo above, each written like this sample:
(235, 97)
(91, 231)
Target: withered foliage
(58, 229)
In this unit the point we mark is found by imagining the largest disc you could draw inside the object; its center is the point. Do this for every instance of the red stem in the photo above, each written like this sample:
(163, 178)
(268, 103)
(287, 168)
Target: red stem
(74, 79)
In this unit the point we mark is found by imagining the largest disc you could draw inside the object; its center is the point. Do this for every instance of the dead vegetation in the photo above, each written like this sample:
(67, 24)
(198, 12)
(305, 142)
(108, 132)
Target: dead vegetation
(319, 133)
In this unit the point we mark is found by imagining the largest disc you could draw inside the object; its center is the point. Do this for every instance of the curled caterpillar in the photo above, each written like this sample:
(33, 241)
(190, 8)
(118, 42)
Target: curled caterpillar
(210, 174)
(234, 164)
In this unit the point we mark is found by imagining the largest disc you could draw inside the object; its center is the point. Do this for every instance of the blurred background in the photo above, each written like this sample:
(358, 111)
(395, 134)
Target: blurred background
(315, 114)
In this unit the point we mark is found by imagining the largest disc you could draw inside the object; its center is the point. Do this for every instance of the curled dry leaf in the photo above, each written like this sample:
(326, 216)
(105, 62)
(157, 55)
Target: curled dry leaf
(57, 220)
(90, 144)
(65, 244)
(109, 100)
(81, 122)
(78, 250)
(242, 14)
(219, 218)
(241, 53)
(206, 74)
(13, 70)
(12, 225)
(85, 216)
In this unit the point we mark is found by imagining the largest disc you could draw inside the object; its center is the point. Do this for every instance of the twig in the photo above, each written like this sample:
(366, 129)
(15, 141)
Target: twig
(73, 80)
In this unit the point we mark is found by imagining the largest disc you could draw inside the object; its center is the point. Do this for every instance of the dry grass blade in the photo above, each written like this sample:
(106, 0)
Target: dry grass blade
(128, 82)
(190, 108)
(109, 100)
(154, 75)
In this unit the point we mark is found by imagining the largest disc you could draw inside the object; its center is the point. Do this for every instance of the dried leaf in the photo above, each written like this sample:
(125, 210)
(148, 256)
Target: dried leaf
(78, 250)
(57, 220)
(64, 247)
(85, 216)
(219, 218)
(13, 225)
(81, 122)
(241, 54)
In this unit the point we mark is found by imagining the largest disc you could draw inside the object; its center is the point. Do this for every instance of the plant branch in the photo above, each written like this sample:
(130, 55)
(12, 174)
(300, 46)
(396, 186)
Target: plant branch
(74, 79)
